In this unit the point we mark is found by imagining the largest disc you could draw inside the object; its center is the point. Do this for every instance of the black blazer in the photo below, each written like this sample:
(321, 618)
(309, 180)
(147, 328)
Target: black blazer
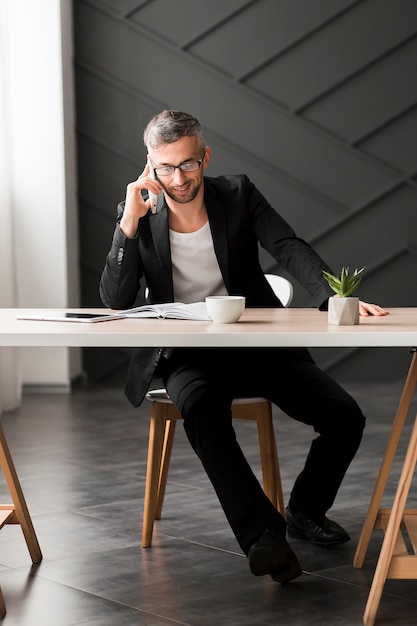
(240, 218)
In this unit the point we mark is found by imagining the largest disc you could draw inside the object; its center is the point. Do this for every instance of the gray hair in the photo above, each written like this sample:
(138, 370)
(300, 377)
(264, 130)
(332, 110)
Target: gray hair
(169, 126)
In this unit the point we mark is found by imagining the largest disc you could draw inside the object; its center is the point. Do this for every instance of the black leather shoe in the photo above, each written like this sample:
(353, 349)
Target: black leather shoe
(325, 533)
(272, 555)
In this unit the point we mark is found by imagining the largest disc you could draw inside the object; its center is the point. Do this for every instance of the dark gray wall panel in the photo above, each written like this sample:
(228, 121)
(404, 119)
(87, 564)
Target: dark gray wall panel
(263, 30)
(363, 364)
(103, 176)
(336, 52)
(185, 21)
(112, 117)
(106, 113)
(394, 145)
(372, 98)
(291, 145)
(122, 7)
(315, 101)
(373, 230)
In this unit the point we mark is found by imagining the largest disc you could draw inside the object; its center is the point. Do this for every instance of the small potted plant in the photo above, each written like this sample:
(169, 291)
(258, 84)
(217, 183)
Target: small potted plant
(344, 309)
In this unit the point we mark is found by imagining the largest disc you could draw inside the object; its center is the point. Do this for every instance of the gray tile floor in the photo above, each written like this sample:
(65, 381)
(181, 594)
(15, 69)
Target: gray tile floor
(81, 459)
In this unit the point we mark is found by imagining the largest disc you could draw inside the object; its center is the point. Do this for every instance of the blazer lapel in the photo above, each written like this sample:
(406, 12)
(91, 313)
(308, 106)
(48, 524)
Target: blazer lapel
(160, 235)
(218, 226)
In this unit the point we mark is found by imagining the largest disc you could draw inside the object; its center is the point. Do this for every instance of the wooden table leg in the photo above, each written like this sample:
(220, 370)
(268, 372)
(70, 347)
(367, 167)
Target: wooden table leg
(405, 565)
(17, 513)
(400, 417)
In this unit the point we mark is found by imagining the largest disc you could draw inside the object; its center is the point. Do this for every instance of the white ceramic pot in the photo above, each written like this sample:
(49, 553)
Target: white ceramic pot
(343, 311)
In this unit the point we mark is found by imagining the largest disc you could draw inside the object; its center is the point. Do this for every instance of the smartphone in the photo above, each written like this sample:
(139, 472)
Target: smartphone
(153, 198)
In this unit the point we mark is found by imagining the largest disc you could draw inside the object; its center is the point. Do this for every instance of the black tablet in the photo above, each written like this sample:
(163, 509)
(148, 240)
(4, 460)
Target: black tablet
(71, 317)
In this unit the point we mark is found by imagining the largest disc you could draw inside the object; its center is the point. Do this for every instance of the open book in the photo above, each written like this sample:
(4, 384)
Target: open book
(173, 310)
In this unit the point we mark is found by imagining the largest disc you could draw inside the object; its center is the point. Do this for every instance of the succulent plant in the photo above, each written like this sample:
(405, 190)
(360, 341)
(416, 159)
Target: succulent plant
(343, 284)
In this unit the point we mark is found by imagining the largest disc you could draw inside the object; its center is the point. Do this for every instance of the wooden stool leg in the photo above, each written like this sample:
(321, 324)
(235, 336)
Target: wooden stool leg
(391, 533)
(269, 459)
(21, 512)
(386, 464)
(153, 472)
(166, 458)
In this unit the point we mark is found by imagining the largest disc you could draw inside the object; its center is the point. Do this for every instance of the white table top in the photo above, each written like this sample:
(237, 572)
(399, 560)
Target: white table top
(256, 328)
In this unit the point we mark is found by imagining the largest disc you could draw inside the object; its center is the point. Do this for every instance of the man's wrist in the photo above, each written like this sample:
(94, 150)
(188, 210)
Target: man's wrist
(129, 226)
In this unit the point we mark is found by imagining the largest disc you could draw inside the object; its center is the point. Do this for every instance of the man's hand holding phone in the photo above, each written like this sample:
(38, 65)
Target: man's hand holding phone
(135, 206)
(153, 197)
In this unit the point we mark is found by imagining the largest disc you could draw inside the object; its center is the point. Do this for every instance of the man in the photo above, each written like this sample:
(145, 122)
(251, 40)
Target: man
(203, 240)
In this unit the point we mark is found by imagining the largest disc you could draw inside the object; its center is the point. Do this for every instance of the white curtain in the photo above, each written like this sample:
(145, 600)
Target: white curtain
(37, 185)
(10, 382)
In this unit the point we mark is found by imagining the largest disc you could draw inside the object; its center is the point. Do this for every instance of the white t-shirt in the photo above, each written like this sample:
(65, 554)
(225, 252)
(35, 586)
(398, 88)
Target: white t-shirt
(195, 270)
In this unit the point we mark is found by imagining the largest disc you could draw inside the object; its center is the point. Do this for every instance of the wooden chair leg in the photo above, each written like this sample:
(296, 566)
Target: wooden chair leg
(269, 459)
(153, 472)
(161, 438)
(165, 461)
(18, 513)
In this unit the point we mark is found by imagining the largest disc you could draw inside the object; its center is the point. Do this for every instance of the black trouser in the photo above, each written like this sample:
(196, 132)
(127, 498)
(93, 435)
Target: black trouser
(202, 384)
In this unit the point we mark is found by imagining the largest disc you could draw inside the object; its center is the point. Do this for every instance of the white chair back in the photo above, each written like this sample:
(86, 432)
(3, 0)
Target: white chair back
(282, 287)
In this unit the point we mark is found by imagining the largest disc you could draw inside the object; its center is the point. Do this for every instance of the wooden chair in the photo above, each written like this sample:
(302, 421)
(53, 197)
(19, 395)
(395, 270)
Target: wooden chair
(164, 417)
(16, 513)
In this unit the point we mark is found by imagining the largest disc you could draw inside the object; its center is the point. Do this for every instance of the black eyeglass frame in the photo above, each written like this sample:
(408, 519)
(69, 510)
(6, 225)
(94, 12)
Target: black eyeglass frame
(181, 167)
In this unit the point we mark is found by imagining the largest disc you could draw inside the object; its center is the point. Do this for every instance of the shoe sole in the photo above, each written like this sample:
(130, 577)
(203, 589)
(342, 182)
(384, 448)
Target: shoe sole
(294, 571)
(281, 571)
(263, 562)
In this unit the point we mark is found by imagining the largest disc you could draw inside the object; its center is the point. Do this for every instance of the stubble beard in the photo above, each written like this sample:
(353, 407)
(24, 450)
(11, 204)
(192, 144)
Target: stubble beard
(183, 199)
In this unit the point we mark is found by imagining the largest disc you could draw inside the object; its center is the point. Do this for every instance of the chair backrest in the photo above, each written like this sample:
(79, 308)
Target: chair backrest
(282, 287)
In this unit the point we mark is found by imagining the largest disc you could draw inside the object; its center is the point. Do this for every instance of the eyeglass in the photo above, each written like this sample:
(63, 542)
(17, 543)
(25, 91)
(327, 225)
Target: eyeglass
(188, 166)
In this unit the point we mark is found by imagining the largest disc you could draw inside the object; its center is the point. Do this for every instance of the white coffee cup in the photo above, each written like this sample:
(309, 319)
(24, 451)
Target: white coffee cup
(225, 309)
